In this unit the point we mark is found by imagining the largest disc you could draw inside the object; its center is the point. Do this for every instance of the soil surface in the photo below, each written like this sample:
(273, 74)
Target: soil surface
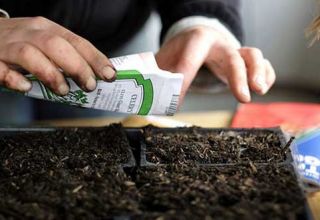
(70, 173)
(244, 192)
(66, 148)
(79, 174)
(87, 193)
(196, 145)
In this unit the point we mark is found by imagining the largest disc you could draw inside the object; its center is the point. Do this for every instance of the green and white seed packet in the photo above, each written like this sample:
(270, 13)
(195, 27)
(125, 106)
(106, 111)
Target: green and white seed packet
(140, 88)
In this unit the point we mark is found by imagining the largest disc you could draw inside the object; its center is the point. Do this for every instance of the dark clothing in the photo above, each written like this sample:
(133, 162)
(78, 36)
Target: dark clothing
(110, 23)
(227, 11)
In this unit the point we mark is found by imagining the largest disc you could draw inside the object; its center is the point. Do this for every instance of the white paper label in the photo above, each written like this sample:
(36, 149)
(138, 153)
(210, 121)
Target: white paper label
(140, 88)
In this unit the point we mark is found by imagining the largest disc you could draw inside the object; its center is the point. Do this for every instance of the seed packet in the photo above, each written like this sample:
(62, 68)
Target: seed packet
(141, 88)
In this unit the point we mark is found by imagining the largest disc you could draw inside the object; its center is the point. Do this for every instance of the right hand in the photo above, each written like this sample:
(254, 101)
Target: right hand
(42, 47)
(243, 69)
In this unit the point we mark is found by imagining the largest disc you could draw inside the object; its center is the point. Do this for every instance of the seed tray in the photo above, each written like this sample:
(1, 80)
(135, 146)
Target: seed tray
(154, 137)
(130, 185)
(67, 134)
(229, 192)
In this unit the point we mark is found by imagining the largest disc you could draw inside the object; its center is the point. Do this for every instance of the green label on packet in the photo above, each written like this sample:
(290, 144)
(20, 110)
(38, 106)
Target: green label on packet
(130, 93)
(140, 88)
(147, 88)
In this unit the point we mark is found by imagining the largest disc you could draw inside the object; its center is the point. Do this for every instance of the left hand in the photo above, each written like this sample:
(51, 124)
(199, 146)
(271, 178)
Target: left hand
(242, 69)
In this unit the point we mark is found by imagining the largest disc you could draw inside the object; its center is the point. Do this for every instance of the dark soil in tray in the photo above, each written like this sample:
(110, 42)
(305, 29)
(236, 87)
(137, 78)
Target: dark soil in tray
(65, 148)
(87, 193)
(80, 174)
(68, 173)
(212, 147)
(244, 192)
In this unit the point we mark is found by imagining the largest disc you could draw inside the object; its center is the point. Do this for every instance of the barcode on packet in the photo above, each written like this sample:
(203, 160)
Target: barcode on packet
(173, 105)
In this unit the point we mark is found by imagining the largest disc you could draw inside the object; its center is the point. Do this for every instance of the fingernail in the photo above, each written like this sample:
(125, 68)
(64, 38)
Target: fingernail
(245, 91)
(108, 72)
(91, 84)
(25, 85)
(63, 89)
(260, 81)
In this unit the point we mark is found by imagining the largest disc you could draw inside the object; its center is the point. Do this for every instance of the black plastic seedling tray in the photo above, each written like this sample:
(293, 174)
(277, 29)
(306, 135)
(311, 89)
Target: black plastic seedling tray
(168, 139)
(61, 173)
(140, 139)
(130, 160)
(132, 202)
(221, 192)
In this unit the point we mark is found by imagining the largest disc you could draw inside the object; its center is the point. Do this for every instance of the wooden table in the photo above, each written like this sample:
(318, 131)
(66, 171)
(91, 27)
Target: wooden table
(203, 119)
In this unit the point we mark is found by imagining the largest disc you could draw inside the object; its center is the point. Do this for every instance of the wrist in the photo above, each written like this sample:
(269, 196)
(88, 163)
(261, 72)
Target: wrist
(197, 21)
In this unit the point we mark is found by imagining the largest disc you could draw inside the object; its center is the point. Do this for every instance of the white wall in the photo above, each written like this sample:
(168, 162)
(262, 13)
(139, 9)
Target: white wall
(277, 27)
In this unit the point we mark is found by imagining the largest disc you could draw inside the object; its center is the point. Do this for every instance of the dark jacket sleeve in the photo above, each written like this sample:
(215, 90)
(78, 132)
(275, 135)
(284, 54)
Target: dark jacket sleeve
(227, 11)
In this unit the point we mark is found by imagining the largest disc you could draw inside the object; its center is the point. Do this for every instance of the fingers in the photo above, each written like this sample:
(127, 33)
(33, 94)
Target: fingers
(237, 78)
(65, 56)
(100, 64)
(271, 75)
(261, 75)
(244, 70)
(35, 62)
(229, 66)
(42, 47)
(256, 69)
(12, 79)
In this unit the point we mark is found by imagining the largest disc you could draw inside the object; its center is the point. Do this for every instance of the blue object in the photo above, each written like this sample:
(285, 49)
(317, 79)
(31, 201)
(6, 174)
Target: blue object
(306, 154)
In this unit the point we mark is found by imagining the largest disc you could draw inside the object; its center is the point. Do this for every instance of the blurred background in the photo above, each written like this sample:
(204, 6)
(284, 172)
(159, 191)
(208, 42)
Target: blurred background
(277, 28)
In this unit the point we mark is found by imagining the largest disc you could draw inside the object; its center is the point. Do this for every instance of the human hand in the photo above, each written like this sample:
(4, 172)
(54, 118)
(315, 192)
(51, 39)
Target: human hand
(42, 47)
(242, 69)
